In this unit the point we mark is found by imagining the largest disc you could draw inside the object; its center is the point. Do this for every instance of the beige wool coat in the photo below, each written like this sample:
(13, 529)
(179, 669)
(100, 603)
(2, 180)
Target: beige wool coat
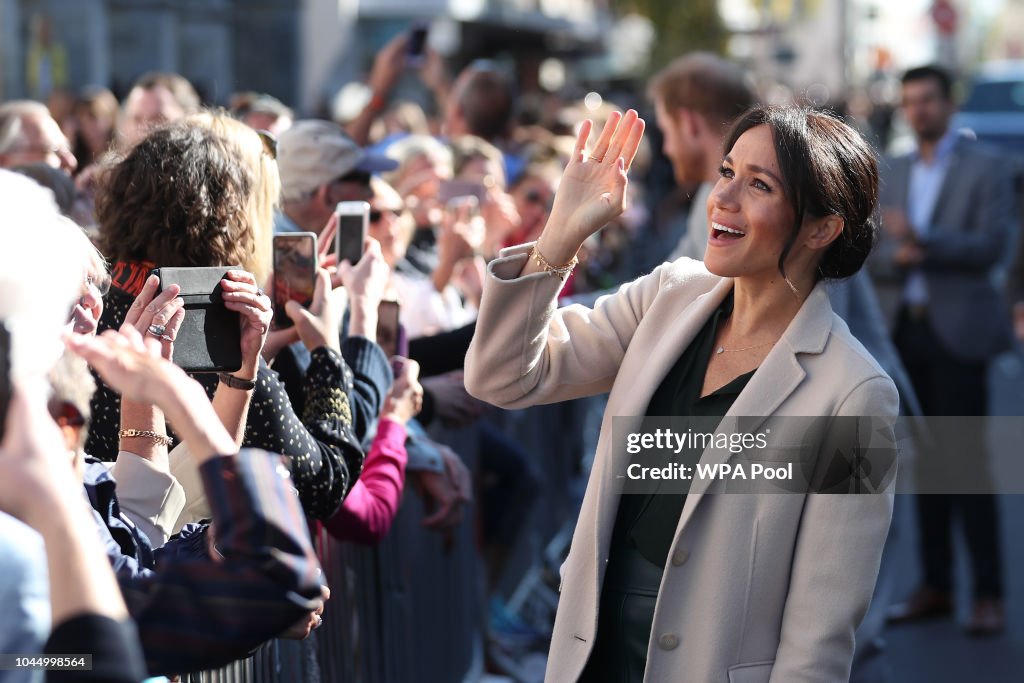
(757, 588)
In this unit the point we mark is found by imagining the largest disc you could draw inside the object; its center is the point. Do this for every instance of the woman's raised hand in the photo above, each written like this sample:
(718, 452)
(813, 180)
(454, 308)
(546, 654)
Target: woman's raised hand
(242, 295)
(159, 315)
(319, 325)
(131, 364)
(593, 187)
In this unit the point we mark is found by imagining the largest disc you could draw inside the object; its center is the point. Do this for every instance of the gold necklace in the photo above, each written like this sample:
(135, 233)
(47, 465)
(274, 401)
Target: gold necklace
(722, 349)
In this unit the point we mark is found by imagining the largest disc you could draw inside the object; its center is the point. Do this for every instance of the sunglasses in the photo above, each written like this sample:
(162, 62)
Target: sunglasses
(377, 214)
(100, 283)
(537, 198)
(269, 143)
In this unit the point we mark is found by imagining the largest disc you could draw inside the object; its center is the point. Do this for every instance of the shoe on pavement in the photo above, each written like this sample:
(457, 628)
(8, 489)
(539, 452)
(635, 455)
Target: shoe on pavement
(925, 603)
(988, 618)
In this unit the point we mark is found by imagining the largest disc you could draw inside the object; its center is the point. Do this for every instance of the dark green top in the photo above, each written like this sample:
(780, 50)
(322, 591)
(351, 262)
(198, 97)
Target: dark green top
(645, 524)
(648, 522)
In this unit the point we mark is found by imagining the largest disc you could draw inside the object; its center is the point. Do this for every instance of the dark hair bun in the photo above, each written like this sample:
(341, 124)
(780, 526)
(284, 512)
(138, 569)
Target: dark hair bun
(828, 169)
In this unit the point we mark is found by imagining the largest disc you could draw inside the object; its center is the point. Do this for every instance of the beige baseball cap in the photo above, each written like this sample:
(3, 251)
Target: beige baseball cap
(314, 152)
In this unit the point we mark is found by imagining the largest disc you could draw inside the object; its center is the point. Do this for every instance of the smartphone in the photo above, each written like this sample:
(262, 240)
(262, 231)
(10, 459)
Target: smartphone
(450, 189)
(209, 339)
(5, 375)
(390, 333)
(417, 43)
(294, 273)
(353, 224)
(464, 208)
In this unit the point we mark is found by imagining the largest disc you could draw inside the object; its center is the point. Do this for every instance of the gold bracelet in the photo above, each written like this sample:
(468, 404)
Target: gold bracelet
(161, 439)
(558, 271)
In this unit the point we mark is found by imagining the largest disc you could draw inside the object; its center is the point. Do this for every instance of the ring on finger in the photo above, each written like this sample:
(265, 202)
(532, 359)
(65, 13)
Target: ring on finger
(260, 292)
(594, 158)
(157, 330)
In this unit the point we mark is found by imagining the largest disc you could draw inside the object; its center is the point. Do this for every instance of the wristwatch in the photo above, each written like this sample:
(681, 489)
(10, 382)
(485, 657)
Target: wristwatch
(236, 383)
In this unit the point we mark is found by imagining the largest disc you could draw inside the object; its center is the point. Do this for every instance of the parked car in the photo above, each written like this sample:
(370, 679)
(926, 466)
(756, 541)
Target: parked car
(994, 108)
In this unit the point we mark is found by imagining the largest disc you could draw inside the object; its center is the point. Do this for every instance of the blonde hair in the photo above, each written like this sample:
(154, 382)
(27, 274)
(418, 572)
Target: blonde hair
(467, 148)
(414, 146)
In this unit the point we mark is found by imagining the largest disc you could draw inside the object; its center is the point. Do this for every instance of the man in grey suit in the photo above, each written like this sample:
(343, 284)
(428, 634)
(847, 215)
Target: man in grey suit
(947, 216)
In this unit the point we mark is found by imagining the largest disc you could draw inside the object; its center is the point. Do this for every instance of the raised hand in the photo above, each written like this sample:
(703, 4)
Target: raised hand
(320, 324)
(157, 315)
(366, 283)
(445, 493)
(593, 187)
(131, 364)
(243, 295)
(367, 279)
(325, 241)
(405, 399)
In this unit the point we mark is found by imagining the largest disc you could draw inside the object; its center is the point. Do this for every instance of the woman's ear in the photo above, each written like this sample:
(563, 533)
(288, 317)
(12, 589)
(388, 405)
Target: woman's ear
(822, 232)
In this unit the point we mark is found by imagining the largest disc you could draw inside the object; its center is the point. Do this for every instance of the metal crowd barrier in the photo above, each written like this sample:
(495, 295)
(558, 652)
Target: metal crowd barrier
(411, 610)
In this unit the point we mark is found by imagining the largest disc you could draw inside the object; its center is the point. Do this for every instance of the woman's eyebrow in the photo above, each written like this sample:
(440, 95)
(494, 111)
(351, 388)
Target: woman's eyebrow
(757, 169)
(760, 169)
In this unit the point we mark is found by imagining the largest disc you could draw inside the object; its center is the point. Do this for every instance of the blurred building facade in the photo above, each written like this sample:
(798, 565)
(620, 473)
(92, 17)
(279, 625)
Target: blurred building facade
(826, 47)
(301, 51)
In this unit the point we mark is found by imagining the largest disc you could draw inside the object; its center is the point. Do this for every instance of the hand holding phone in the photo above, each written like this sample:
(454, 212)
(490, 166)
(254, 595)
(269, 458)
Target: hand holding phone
(463, 230)
(255, 309)
(405, 400)
(295, 264)
(451, 189)
(390, 334)
(416, 45)
(209, 339)
(320, 324)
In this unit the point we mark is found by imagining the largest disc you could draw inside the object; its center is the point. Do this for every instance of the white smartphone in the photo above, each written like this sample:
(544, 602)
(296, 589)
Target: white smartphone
(353, 224)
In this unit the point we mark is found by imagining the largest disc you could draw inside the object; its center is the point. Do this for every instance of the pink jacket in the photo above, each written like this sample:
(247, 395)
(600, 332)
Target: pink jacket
(366, 515)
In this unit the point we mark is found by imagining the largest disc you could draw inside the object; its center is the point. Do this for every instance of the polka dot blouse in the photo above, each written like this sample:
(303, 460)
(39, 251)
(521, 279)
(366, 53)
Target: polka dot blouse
(324, 454)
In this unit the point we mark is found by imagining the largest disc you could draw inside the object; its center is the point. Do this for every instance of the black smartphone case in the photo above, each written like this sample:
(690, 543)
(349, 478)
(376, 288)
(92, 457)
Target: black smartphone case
(210, 336)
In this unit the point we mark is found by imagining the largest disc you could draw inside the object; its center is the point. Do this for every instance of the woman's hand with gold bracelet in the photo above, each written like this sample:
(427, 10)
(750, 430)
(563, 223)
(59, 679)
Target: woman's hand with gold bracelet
(593, 188)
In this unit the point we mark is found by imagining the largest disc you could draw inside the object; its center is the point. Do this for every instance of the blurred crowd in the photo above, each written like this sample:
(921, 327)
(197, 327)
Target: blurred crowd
(203, 489)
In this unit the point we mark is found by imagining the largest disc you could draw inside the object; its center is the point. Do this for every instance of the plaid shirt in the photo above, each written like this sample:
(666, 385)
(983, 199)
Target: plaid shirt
(197, 612)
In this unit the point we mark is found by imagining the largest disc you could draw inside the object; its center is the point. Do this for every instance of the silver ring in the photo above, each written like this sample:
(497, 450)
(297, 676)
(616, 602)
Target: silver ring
(157, 330)
(319, 621)
(259, 292)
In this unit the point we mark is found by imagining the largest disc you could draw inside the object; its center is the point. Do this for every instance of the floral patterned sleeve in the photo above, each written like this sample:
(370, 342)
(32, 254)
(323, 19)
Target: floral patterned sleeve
(324, 453)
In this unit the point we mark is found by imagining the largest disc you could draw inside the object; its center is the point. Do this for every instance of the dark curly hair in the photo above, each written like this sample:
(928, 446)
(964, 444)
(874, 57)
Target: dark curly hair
(178, 198)
(827, 169)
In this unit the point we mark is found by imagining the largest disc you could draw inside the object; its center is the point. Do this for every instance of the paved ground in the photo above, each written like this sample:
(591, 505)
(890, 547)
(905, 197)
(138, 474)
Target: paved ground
(939, 652)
